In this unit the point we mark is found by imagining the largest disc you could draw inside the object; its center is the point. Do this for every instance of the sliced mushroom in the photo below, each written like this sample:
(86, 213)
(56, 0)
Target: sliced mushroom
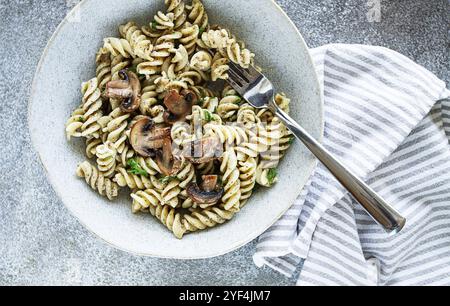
(118, 89)
(146, 137)
(176, 103)
(190, 96)
(203, 151)
(132, 103)
(167, 163)
(171, 119)
(128, 89)
(209, 182)
(179, 106)
(208, 194)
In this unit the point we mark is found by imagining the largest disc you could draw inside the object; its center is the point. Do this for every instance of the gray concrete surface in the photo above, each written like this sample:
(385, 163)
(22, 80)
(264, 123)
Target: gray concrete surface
(41, 243)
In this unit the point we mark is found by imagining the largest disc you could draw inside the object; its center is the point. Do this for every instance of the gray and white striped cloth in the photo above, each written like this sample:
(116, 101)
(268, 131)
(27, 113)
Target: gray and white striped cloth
(388, 119)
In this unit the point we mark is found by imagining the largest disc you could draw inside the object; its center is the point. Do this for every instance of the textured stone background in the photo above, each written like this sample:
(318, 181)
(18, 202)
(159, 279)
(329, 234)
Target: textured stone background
(41, 243)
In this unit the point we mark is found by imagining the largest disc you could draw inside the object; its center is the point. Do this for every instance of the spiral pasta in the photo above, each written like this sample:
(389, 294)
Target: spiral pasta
(193, 77)
(123, 157)
(261, 136)
(161, 53)
(201, 60)
(228, 107)
(247, 170)
(114, 127)
(261, 139)
(219, 68)
(232, 183)
(118, 46)
(170, 194)
(198, 15)
(180, 59)
(228, 46)
(201, 219)
(189, 151)
(92, 109)
(91, 146)
(266, 177)
(126, 179)
(186, 175)
(144, 199)
(189, 37)
(210, 104)
(227, 134)
(178, 9)
(181, 133)
(202, 92)
(166, 83)
(163, 21)
(74, 124)
(140, 44)
(106, 159)
(149, 165)
(215, 39)
(104, 186)
(203, 116)
(149, 97)
(170, 218)
(271, 158)
(103, 71)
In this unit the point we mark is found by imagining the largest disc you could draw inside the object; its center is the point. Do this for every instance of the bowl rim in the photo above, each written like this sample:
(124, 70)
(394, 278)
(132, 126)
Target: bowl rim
(251, 236)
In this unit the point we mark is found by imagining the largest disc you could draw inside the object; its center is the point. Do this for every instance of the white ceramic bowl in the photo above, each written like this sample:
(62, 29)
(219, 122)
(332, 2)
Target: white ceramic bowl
(69, 59)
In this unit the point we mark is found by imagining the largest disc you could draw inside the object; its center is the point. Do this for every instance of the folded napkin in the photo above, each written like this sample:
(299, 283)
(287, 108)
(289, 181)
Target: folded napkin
(387, 119)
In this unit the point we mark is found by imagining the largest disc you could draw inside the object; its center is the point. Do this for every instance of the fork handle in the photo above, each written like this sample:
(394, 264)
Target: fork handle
(379, 209)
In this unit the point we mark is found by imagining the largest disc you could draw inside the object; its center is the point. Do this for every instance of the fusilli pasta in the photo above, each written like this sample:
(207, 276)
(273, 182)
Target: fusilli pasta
(198, 15)
(232, 183)
(103, 71)
(140, 44)
(178, 9)
(106, 159)
(104, 186)
(92, 109)
(126, 179)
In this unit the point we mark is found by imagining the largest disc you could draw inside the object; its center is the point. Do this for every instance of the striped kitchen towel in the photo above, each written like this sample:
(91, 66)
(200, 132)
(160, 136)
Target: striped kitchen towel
(388, 119)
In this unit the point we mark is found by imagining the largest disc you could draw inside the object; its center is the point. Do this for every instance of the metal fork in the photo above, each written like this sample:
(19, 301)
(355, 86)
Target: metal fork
(257, 90)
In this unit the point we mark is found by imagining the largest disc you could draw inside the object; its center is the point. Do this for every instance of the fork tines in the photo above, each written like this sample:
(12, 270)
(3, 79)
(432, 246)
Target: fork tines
(240, 78)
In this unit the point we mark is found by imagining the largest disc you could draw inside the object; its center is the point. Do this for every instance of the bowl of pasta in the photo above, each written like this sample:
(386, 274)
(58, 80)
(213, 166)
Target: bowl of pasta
(155, 153)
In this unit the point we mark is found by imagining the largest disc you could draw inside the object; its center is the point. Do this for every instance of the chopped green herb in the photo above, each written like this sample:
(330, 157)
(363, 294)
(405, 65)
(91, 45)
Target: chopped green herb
(80, 119)
(220, 181)
(272, 175)
(202, 30)
(291, 140)
(154, 25)
(135, 168)
(238, 100)
(208, 116)
(167, 179)
(133, 69)
(202, 102)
